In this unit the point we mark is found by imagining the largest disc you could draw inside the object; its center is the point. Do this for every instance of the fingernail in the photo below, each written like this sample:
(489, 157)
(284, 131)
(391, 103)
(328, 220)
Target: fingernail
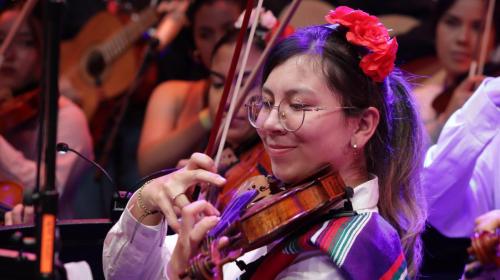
(220, 179)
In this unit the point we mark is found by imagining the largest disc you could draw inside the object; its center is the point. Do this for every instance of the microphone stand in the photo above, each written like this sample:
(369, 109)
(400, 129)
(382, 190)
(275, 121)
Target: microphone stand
(46, 209)
(120, 198)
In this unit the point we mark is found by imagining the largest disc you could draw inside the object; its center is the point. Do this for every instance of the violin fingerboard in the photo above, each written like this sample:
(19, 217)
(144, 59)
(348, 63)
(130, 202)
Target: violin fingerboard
(232, 212)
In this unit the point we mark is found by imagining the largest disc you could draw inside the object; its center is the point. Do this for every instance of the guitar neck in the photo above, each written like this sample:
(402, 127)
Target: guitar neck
(122, 40)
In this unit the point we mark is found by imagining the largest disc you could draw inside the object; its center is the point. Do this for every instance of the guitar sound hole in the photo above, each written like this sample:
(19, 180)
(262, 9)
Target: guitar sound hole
(96, 65)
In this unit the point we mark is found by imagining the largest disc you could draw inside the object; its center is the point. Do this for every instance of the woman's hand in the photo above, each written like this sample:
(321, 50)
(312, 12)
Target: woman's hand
(197, 219)
(167, 192)
(461, 94)
(488, 222)
(20, 214)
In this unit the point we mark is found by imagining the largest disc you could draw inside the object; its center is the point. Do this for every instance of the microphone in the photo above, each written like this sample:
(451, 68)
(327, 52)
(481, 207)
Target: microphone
(63, 148)
(119, 199)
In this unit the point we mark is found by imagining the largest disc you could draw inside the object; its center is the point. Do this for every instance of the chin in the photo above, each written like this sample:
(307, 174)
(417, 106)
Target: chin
(286, 172)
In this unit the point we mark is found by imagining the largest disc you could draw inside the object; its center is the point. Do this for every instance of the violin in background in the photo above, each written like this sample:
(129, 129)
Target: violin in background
(15, 112)
(18, 110)
(485, 249)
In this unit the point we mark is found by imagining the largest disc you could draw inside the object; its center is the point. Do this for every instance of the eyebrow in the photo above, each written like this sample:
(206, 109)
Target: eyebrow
(289, 92)
(223, 77)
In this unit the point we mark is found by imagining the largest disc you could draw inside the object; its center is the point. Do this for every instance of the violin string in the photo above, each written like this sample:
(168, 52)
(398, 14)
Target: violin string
(239, 80)
(283, 24)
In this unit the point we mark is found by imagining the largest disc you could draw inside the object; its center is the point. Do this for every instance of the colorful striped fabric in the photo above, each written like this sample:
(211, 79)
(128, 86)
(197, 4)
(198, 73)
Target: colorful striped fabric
(363, 246)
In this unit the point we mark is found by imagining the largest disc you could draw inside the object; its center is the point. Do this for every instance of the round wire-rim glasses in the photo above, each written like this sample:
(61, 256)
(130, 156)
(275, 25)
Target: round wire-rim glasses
(290, 116)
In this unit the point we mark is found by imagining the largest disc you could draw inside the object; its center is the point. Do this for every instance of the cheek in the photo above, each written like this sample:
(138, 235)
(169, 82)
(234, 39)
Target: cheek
(442, 40)
(328, 143)
(204, 46)
(27, 64)
(213, 101)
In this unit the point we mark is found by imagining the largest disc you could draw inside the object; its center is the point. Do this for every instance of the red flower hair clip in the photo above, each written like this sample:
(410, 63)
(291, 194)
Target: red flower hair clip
(367, 31)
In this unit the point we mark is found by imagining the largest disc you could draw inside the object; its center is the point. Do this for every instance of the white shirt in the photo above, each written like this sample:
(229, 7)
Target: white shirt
(148, 255)
(18, 157)
(461, 175)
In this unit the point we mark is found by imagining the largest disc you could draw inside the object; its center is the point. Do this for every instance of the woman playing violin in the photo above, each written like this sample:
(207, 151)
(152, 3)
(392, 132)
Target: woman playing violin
(330, 97)
(459, 25)
(20, 74)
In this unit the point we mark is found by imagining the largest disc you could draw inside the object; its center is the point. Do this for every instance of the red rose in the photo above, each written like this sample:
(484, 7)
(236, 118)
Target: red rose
(366, 30)
(349, 17)
(369, 35)
(378, 65)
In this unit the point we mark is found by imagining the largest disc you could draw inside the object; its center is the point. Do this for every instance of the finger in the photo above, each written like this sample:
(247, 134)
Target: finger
(191, 213)
(169, 213)
(17, 214)
(29, 214)
(183, 180)
(181, 200)
(223, 242)
(8, 219)
(192, 177)
(201, 228)
(470, 83)
(201, 161)
(182, 163)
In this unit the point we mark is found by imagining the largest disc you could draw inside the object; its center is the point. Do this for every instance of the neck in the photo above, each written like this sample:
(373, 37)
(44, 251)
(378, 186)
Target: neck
(355, 173)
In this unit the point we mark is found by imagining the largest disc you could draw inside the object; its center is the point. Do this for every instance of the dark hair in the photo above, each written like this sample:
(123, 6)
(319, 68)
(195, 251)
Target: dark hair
(394, 153)
(196, 5)
(34, 21)
(442, 6)
(232, 35)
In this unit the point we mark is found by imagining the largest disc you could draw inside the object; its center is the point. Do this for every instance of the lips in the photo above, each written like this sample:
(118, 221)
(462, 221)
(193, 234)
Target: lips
(275, 150)
(460, 56)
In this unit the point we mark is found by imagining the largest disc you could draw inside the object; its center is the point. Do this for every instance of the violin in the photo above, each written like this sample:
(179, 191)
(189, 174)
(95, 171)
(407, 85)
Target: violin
(245, 172)
(485, 248)
(19, 110)
(267, 220)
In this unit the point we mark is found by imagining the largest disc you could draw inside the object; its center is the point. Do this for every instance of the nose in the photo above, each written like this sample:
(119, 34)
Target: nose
(272, 123)
(464, 35)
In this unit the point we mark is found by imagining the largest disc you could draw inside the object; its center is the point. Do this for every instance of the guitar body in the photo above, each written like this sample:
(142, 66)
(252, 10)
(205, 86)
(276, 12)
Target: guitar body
(81, 57)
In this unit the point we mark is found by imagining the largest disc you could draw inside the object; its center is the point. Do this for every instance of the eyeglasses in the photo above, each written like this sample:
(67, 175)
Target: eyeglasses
(290, 116)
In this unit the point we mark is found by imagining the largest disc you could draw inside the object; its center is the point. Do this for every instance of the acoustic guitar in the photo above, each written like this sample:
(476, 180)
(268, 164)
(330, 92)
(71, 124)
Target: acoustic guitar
(100, 63)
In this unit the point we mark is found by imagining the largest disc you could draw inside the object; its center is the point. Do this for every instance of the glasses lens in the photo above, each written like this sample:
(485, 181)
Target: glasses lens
(257, 112)
(291, 115)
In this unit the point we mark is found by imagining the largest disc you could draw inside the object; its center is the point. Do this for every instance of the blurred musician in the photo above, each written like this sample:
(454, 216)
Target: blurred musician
(19, 87)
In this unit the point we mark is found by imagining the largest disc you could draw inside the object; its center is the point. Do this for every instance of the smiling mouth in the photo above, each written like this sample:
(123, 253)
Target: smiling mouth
(278, 150)
(460, 56)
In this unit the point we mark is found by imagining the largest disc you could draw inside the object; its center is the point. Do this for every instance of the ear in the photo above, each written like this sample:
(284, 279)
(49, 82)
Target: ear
(366, 125)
